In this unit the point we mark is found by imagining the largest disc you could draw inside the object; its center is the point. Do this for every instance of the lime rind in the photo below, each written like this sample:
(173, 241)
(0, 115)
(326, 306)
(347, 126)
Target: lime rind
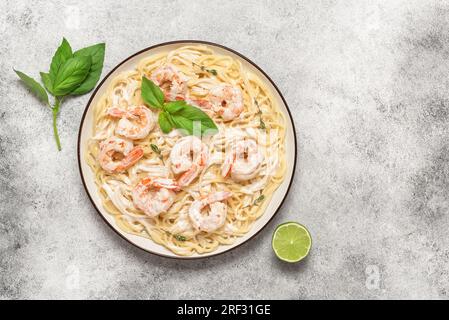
(291, 242)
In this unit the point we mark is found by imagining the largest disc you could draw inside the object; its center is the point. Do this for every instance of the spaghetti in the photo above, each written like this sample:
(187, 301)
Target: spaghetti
(260, 121)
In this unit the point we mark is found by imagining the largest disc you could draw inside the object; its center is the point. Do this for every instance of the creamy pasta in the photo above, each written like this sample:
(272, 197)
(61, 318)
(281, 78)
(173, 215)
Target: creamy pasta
(244, 159)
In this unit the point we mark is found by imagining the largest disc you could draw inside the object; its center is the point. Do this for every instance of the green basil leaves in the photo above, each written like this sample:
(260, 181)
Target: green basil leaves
(176, 114)
(74, 73)
(71, 73)
(152, 94)
(96, 53)
(164, 122)
(62, 54)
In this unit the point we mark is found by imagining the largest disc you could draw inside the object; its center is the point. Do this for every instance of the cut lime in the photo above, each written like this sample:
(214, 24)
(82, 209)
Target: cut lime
(291, 242)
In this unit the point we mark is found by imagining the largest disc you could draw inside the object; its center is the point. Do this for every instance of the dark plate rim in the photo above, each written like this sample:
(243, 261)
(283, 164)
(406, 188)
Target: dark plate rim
(165, 44)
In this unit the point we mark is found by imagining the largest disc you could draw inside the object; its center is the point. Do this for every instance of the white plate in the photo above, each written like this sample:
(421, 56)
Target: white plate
(85, 133)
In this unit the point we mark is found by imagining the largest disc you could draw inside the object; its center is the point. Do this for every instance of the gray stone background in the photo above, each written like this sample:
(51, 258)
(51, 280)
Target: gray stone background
(367, 82)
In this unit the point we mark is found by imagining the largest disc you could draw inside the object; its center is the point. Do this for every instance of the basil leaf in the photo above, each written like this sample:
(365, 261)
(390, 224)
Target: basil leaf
(170, 119)
(34, 86)
(152, 94)
(62, 54)
(96, 52)
(164, 122)
(71, 74)
(45, 77)
(189, 116)
(174, 106)
(183, 123)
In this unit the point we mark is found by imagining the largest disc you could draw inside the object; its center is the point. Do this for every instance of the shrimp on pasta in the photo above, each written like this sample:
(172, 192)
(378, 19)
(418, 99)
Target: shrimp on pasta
(190, 193)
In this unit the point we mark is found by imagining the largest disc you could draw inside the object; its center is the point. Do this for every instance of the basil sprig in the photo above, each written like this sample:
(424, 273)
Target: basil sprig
(71, 73)
(176, 114)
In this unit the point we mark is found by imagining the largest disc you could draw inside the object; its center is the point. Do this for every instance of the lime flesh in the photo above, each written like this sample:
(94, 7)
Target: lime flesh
(291, 242)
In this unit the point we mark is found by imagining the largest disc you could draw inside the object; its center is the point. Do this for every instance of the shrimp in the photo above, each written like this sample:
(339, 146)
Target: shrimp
(188, 156)
(117, 155)
(172, 82)
(226, 101)
(242, 161)
(154, 195)
(135, 123)
(215, 217)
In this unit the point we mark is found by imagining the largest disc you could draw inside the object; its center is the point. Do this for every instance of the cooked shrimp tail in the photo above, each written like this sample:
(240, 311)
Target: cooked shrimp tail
(188, 176)
(131, 158)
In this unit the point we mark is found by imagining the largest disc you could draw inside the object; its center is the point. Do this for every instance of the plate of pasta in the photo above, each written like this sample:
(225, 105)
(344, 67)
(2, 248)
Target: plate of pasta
(187, 149)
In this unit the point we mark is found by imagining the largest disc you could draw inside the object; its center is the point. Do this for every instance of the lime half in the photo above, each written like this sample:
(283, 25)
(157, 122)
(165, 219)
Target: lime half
(291, 242)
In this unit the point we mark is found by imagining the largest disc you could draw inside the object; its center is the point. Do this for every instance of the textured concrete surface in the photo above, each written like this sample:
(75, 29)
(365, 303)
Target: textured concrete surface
(368, 86)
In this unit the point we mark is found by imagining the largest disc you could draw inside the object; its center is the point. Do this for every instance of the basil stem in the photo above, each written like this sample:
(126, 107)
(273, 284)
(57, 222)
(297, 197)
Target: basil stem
(55, 111)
